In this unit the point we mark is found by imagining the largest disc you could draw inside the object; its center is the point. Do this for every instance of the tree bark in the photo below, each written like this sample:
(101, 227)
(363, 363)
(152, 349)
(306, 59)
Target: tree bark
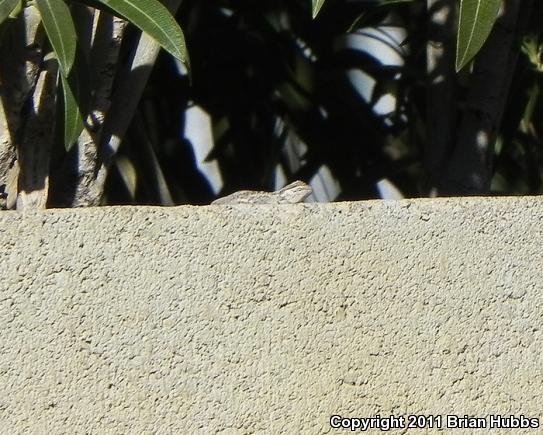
(83, 179)
(19, 72)
(441, 89)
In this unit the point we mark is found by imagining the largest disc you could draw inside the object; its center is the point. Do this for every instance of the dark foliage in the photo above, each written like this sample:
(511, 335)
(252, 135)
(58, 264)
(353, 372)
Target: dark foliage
(279, 90)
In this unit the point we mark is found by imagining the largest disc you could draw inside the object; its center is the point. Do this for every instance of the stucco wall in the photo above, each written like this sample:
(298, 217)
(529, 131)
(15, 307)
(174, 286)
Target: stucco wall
(269, 319)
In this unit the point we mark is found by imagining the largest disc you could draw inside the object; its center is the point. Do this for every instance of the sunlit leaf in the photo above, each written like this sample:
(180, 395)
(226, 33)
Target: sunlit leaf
(477, 17)
(60, 30)
(153, 18)
(75, 99)
(317, 5)
(6, 6)
(73, 120)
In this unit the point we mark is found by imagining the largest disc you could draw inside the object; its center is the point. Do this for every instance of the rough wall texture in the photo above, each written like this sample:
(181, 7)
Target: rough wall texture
(270, 319)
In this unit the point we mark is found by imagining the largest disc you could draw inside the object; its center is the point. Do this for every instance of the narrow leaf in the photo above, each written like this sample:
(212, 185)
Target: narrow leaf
(6, 6)
(60, 30)
(477, 17)
(75, 99)
(73, 120)
(153, 18)
(317, 5)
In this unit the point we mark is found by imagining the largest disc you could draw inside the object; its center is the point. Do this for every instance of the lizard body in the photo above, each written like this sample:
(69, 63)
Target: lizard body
(292, 193)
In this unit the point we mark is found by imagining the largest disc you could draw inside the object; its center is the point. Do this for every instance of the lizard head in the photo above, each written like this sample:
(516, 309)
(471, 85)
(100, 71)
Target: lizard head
(295, 192)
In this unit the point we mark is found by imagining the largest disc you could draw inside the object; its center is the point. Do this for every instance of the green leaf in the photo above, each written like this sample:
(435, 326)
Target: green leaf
(73, 119)
(60, 30)
(477, 17)
(317, 5)
(75, 99)
(6, 6)
(153, 18)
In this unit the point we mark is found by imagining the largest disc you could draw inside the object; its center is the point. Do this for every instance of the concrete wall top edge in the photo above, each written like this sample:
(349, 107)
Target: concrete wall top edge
(270, 319)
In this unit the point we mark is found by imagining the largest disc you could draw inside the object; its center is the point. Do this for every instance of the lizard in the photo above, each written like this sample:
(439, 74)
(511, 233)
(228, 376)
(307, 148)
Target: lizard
(292, 193)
